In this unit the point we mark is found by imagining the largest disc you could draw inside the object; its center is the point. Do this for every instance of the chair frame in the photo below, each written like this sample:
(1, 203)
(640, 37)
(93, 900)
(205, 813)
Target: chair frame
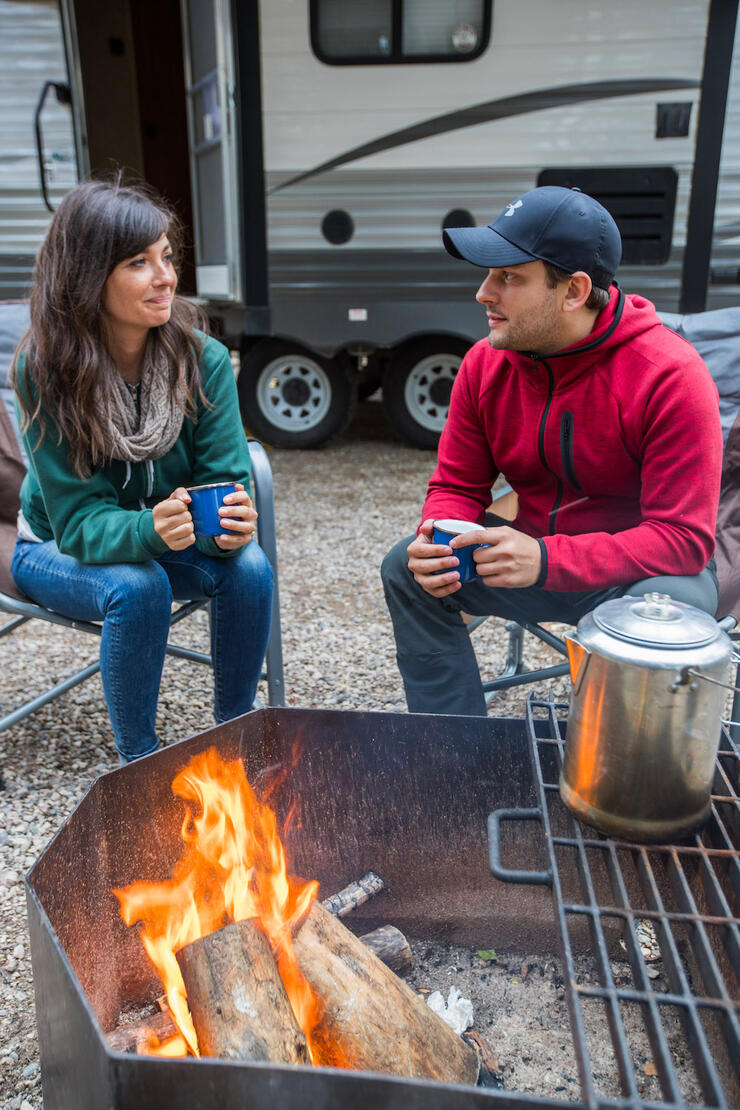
(23, 611)
(514, 672)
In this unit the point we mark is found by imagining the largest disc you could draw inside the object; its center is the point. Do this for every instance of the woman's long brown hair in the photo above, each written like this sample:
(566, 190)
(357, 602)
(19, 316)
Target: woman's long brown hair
(97, 225)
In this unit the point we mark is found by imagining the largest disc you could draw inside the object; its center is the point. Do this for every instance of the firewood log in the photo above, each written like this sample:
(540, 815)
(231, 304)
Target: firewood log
(154, 1028)
(390, 945)
(237, 999)
(491, 1074)
(352, 896)
(370, 1019)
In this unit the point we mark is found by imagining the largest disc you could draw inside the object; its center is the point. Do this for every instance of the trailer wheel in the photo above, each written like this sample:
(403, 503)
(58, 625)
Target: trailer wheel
(416, 387)
(292, 397)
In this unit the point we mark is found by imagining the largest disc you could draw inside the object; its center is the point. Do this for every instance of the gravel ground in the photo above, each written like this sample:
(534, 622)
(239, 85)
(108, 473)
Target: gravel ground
(338, 511)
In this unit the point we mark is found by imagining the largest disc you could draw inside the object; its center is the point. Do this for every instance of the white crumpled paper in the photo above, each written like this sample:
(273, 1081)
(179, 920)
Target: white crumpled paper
(457, 1012)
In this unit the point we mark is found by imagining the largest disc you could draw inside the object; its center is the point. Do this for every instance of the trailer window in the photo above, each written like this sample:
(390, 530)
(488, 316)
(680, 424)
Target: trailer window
(367, 32)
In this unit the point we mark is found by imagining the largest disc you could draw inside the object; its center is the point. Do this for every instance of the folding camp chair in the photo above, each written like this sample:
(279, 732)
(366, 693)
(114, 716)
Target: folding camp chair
(21, 609)
(716, 336)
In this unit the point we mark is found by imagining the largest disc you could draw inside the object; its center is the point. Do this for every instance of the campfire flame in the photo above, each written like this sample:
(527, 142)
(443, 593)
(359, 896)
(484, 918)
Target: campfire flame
(232, 867)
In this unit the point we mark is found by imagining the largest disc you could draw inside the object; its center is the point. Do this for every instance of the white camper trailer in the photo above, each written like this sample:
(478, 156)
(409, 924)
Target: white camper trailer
(318, 147)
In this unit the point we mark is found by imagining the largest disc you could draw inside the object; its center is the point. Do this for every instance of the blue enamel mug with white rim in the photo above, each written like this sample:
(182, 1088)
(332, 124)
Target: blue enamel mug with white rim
(205, 501)
(444, 531)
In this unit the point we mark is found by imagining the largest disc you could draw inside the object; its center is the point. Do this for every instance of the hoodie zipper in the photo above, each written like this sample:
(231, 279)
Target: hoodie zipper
(541, 444)
(568, 433)
(566, 450)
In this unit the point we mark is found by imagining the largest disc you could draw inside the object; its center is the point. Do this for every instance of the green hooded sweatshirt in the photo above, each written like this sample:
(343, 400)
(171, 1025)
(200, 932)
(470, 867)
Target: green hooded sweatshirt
(107, 518)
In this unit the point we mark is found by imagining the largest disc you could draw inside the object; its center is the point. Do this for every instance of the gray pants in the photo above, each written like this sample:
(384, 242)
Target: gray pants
(434, 651)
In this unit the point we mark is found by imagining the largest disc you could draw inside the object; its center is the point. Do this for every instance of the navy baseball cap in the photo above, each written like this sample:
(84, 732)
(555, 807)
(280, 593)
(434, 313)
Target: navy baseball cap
(565, 227)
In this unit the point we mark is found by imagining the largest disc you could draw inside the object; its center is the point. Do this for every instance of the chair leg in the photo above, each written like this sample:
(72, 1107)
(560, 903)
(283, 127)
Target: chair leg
(11, 626)
(266, 531)
(514, 672)
(61, 688)
(513, 665)
(274, 656)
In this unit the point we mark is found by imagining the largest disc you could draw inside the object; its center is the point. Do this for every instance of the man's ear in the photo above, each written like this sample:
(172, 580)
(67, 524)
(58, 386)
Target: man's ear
(577, 291)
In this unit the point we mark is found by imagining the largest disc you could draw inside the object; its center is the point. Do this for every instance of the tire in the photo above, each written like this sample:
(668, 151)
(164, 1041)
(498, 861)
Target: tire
(417, 385)
(292, 397)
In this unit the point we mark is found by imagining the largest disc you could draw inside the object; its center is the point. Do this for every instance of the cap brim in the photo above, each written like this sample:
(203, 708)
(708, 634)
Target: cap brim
(483, 247)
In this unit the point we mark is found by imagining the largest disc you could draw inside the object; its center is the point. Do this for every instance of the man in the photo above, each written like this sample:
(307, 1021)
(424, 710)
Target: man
(605, 424)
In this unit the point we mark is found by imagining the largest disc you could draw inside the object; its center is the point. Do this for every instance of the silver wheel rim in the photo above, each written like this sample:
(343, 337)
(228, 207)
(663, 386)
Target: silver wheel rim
(420, 383)
(294, 393)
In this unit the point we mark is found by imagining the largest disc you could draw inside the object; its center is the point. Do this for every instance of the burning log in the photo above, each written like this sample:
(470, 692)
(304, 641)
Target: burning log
(370, 1019)
(142, 1034)
(390, 945)
(237, 999)
(490, 1071)
(352, 896)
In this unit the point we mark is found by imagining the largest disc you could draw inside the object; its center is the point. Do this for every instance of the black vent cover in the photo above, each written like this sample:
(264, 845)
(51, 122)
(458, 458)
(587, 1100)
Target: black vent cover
(642, 200)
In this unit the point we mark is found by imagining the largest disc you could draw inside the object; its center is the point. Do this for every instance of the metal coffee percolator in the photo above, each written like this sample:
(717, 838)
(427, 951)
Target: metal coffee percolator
(649, 685)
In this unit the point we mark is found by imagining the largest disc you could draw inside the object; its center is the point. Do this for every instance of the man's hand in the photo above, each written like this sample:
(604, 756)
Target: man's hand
(173, 522)
(239, 519)
(426, 557)
(511, 560)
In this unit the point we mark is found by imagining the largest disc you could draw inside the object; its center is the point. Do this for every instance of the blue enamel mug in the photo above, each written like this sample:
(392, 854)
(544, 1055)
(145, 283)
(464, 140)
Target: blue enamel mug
(444, 531)
(205, 501)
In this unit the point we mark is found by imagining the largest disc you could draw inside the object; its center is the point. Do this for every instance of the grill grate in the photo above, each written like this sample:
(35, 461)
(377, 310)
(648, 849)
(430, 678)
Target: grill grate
(604, 891)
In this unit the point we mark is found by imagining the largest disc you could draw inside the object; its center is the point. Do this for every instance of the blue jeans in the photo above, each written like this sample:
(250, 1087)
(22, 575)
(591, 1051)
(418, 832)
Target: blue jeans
(134, 602)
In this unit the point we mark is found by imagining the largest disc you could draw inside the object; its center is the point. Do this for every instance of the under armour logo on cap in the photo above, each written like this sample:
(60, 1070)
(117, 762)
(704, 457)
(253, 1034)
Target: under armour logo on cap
(511, 207)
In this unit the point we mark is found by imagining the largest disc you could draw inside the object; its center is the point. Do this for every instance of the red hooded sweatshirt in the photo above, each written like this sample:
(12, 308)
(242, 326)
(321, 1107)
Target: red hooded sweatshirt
(613, 446)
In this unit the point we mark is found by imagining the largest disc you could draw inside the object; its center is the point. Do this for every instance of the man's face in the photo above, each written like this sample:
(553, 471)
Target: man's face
(524, 313)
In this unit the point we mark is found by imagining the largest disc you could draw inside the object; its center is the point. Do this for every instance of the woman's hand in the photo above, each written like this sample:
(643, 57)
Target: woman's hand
(173, 522)
(239, 516)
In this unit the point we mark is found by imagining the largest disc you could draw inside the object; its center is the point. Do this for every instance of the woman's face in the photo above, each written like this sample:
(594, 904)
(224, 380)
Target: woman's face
(138, 293)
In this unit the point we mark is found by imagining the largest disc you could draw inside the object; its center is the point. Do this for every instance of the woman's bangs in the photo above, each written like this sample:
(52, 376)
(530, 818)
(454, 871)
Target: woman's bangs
(140, 223)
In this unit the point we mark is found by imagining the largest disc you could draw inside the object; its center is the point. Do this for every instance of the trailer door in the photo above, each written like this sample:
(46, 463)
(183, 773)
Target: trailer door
(209, 78)
(33, 84)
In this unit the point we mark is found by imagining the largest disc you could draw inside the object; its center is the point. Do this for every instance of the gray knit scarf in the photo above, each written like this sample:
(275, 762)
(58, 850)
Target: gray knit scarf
(148, 432)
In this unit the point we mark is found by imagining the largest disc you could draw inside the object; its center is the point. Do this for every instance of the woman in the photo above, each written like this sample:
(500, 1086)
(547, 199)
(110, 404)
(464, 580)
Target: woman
(123, 404)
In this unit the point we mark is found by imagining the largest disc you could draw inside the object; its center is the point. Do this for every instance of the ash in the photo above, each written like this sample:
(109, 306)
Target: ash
(521, 1012)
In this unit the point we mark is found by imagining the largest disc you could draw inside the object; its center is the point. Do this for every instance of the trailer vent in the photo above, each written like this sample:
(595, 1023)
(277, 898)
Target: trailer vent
(642, 200)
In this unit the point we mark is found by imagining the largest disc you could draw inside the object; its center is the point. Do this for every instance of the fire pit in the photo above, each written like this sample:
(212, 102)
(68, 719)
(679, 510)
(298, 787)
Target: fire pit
(408, 797)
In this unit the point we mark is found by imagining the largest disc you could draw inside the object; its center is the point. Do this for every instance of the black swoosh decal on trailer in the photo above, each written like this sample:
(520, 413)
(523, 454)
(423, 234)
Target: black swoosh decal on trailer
(498, 109)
